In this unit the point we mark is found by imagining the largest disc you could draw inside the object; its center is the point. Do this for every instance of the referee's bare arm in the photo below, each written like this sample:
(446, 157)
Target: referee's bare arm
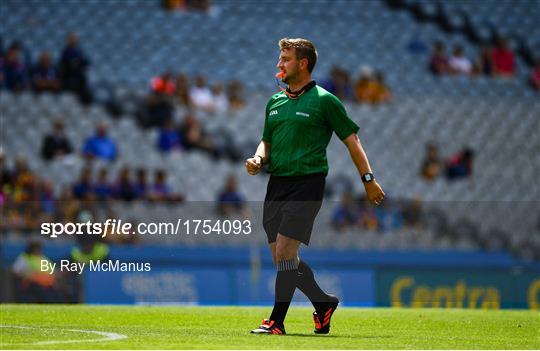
(374, 191)
(261, 157)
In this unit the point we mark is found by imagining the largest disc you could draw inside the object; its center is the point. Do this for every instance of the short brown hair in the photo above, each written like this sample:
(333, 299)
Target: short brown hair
(303, 49)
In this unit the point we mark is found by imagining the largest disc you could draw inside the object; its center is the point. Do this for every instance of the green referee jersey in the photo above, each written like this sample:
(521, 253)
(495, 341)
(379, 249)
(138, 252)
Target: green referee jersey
(299, 131)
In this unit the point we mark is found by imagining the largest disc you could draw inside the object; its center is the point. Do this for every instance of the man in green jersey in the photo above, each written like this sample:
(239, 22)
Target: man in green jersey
(298, 127)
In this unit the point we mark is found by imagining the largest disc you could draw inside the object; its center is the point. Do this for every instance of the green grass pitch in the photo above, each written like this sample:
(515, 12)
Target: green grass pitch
(178, 327)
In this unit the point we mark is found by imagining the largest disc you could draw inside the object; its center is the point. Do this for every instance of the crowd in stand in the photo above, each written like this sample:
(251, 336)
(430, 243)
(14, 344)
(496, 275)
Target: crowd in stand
(129, 185)
(204, 6)
(33, 195)
(356, 212)
(168, 90)
(190, 134)
(27, 199)
(492, 61)
(535, 77)
(56, 144)
(369, 88)
(69, 73)
(457, 166)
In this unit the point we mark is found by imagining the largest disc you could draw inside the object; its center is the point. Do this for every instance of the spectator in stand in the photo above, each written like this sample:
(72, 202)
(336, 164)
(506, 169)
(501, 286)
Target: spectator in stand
(413, 214)
(5, 173)
(169, 138)
(141, 184)
(460, 165)
(23, 180)
(438, 63)
(158, 111)
(182, 90)
(389, 216)
(164, 84)
(33, 284)
(47, 200)
(160, 190)
(235, 93)
(221, 102)
(504, 62)
(25, 56)
(459, 64)
(199, 5)
(535, 76)
(68, 206)
(194, 137)
(56, 144)
(371, 87)
(365, 86)
(339, 83)
(230, 202)
(100, 145)
(201, 96)
(3, 201)
(368, 216)
(381, 91)
(15, 71)
(72, 69)
(23, 199)
(102, 188)
(432, 164)
(1, 62)
(83, 187)
(189, 5)
(484, 62)
(347, 214)
(158, 108)
(171, 5)
(44, 77)
(124, 188)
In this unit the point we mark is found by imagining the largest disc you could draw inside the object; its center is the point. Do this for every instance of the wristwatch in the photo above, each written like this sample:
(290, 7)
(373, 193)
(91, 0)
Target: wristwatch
(368, 177)
(262, 159)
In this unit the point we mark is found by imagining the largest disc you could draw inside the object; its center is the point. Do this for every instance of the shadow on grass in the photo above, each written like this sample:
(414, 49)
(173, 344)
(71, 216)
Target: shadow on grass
(340, 336)
(313, 335)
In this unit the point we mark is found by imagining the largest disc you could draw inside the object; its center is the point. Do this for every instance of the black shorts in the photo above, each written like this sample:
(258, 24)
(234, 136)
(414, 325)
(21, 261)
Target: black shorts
(291, 205)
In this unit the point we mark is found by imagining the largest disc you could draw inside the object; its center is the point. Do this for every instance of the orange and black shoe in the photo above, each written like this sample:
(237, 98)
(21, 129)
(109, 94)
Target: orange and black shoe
(269, 327)
(322, 318)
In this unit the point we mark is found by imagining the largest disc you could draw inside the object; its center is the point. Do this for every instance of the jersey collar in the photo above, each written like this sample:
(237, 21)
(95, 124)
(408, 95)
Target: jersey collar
(304, 89)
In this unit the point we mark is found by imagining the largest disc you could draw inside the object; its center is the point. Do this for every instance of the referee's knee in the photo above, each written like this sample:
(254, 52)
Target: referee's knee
(285, 251)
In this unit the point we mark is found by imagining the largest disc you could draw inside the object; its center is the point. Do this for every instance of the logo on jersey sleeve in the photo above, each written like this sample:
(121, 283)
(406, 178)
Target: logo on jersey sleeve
(272, 113)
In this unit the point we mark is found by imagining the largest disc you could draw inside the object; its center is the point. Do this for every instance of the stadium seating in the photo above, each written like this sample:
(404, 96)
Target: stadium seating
(237, 42)
(137, 40)
(485, 21)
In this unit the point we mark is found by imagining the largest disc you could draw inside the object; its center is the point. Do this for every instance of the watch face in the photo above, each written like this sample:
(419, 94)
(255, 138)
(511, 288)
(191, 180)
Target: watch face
(368, 177)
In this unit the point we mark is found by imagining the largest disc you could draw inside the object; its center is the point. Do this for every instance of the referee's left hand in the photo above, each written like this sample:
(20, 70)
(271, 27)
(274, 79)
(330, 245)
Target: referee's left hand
(374, 192)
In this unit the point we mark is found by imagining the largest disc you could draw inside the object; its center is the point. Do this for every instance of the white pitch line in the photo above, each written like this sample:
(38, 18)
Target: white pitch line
(107, 336)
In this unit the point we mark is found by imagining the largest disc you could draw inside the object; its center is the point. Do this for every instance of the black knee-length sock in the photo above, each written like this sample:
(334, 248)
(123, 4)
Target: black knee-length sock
(286, 278)
(308, 285)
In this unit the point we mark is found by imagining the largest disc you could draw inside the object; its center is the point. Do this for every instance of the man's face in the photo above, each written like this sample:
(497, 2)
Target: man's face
(288, 64)
(101, 130)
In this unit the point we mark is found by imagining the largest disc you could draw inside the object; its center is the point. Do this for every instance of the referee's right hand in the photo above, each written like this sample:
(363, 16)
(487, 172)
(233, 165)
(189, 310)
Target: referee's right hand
(253, 165)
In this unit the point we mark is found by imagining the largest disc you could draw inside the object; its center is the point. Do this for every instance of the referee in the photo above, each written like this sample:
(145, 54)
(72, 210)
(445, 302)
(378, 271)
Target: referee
(298, 127)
